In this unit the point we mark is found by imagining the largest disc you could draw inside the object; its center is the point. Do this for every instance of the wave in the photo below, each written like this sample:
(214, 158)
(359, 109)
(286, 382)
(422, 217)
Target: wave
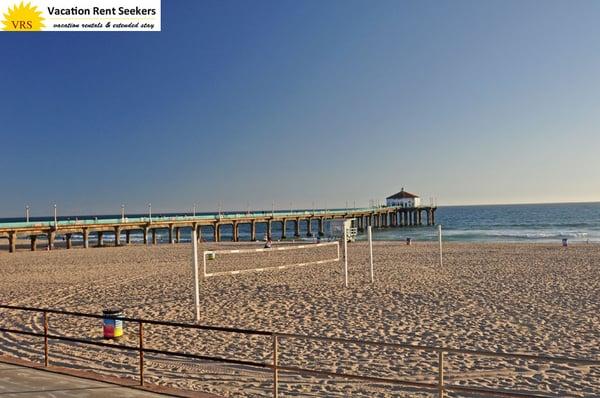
(520, 234)
(488, 235)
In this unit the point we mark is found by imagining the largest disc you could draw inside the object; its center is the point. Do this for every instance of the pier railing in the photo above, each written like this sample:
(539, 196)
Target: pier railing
(185, 218)
(440, 386)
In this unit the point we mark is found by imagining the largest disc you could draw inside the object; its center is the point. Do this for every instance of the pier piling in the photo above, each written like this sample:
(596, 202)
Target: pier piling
(117, 236)
(309, 227)
(234, 231)
(12, 242)
(50, 236)
(283, 232)
(171, 235)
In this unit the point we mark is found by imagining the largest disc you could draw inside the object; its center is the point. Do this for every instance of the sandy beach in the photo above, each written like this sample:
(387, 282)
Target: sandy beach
(538, 298)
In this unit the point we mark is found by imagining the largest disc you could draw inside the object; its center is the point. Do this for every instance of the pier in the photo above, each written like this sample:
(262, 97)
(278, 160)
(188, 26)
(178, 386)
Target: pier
(121, 228)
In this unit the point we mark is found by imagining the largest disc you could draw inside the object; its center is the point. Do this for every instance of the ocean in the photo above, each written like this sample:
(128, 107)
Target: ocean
(577, 222)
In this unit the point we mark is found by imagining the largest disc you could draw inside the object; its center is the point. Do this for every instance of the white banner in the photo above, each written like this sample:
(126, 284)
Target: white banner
(80, 15)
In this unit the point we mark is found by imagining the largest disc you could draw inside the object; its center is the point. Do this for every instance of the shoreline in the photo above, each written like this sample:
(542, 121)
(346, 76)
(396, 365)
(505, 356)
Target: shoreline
(23, 244)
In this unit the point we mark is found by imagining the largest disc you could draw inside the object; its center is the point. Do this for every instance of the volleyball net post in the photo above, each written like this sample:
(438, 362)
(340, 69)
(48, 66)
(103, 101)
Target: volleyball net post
(345, 257)
(440, 241)
(370, 237)
(196, 279)
(204, 253)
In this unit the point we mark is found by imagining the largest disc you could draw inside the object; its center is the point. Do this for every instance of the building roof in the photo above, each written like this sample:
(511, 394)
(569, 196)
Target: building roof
(403, 195)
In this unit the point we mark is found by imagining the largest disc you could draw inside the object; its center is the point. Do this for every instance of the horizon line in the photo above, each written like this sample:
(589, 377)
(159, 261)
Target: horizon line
(521, 203)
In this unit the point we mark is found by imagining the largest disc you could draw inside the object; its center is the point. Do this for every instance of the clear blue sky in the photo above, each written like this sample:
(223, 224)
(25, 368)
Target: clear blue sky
(253, 101)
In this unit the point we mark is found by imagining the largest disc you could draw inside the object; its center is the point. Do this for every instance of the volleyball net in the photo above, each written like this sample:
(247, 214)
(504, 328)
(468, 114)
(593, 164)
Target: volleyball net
(277, 257)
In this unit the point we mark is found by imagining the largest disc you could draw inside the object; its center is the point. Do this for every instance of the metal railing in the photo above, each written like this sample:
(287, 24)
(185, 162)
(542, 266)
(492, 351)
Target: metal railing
(440, 386)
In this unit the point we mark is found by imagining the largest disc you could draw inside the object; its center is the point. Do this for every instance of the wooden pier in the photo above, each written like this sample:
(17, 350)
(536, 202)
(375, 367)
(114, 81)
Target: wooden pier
(121, 228)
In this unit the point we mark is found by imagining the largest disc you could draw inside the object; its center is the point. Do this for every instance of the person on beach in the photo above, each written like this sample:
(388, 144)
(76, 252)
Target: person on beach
(269, 243)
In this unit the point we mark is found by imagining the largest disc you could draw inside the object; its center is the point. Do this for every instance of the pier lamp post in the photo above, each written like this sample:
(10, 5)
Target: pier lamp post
(273, 209)
(122, 213)
(150, 211)
(194, 211)
(27, 213)
(55, 217)
(355, 205)
(346, 205)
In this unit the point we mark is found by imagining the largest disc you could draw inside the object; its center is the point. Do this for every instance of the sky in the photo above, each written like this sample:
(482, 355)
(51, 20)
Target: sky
(247, 103)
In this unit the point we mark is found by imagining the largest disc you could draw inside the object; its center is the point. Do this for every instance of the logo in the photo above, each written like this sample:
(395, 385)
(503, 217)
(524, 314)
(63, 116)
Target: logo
(80, 15)
(23, 17)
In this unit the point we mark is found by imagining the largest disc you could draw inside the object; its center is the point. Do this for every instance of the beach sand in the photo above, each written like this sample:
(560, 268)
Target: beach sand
(539, 298)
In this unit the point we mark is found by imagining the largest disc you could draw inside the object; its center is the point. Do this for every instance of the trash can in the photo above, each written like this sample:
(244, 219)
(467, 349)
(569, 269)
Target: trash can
(408, 241)
(112, 327)
(564, 242)
(211, 256)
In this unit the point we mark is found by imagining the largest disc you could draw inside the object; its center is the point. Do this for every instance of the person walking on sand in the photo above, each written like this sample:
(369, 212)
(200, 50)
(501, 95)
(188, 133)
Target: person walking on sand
(269, 243)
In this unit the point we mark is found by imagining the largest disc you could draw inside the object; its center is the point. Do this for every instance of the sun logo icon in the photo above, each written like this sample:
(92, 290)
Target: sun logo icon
(23, 17)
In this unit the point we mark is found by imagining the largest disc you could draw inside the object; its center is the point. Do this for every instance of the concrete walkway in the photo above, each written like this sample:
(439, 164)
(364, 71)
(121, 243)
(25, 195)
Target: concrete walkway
(22, 382)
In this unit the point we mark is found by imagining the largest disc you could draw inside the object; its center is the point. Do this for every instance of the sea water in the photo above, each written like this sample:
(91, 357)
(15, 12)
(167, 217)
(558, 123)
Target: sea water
(577, 222)
(508, 223)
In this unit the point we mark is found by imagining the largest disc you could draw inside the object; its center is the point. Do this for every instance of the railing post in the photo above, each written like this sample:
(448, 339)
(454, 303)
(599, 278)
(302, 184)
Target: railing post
(45, 338)
(275, 370)
(440, 374)
(141, 350)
